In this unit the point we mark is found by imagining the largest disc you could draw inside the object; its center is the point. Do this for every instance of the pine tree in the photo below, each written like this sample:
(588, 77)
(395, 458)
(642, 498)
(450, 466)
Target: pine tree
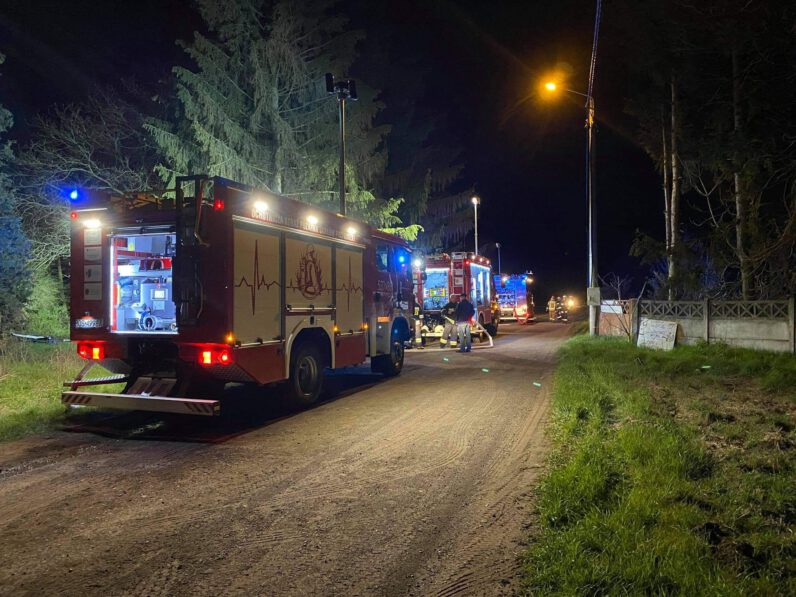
(14, 245)
(422, 169)
(425, 173)
(254, 108)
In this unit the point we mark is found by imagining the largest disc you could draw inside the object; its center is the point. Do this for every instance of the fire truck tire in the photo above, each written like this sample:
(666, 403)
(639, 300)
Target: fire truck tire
(391, 364)
(492, 328)
(306, 375)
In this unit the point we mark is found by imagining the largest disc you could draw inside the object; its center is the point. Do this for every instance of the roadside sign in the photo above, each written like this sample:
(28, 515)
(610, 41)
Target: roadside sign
(658, 334)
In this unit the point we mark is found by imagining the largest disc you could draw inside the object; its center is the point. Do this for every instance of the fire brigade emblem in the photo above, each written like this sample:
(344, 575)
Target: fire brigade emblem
(309, 277)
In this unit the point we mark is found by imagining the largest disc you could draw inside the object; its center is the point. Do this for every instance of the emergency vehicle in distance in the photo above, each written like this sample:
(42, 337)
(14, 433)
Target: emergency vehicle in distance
(223, 283)
(442, 275)
(515, 297)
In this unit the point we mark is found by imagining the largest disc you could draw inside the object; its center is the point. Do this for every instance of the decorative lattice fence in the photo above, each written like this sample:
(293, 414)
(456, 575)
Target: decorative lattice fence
(767, 325)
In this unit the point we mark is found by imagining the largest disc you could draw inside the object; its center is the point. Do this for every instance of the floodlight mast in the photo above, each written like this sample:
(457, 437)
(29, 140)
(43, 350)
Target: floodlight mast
(344, 89)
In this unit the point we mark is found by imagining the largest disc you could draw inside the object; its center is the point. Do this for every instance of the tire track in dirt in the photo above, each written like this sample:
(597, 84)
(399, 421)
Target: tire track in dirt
(417, 485)
(474, 572)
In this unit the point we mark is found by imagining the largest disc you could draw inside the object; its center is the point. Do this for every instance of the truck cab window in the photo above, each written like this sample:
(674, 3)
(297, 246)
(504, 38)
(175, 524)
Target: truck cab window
(382, 258)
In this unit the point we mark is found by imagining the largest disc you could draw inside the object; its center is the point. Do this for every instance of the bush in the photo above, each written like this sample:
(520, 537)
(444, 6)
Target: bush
(45, 312)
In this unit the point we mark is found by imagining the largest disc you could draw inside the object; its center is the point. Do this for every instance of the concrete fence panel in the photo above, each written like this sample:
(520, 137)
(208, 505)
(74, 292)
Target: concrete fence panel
(763, 325)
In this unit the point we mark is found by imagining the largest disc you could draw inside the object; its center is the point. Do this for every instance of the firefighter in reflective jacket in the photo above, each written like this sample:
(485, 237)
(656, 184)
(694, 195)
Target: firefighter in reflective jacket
(448, 313)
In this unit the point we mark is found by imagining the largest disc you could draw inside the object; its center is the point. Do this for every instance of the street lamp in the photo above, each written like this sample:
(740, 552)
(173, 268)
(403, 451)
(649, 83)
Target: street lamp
(344, 89)
(476, 200)
(593, 291)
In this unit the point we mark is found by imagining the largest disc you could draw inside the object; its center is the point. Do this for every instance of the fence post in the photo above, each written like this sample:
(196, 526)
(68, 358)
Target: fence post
(792, 323)
(635, 321)
(706, 307)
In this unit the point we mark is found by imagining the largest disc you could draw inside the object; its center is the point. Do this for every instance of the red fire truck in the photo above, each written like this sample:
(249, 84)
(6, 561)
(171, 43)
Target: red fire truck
(515, 297)
(442, 275)
(223, 283)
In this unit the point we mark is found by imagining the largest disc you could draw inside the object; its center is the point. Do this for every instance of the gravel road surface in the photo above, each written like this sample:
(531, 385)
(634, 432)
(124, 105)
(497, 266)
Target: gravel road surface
(417, 485)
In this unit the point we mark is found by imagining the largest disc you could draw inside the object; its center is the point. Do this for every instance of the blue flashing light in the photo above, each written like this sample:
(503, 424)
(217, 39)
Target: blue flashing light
(73, 194)
(401, 258)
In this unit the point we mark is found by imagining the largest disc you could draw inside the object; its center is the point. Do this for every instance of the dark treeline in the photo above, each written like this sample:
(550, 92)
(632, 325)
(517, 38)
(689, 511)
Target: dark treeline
(249, 104)
(711, 89)
(708, 88)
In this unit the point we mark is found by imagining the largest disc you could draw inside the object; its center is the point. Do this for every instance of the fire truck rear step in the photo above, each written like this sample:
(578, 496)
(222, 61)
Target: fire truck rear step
(96, 381)
(183, 406)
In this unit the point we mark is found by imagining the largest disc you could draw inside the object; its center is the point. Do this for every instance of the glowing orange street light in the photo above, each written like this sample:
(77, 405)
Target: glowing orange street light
(550, 86)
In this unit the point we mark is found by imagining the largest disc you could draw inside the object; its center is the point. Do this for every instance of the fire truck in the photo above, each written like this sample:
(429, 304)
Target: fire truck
(178, 294)
(442, 275)
(515, 297)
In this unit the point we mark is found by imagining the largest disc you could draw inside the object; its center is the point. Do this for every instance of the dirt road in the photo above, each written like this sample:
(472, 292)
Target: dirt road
(415, 485)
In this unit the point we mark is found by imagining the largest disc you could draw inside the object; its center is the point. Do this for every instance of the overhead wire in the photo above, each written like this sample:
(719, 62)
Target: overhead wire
(593, 63)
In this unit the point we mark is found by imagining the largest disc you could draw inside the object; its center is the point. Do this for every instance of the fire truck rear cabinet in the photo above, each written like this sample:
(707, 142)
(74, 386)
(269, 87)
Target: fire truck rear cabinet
(515, 297)
(228, 284)
(462, 274)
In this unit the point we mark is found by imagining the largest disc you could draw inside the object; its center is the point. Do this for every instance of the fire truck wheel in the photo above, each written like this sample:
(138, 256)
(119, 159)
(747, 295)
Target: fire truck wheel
(391, 364)
(492, 328)
(306, 375)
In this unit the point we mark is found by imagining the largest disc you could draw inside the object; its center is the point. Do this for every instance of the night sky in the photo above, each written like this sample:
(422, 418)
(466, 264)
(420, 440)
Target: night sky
(480, 63)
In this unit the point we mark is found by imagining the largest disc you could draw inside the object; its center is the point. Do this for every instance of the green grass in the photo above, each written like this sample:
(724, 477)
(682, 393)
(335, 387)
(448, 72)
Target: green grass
(31, 378)
(668, 477)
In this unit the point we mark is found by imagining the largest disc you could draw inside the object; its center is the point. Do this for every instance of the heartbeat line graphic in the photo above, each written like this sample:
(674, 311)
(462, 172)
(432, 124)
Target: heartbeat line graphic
(258, 280)
(349, 286)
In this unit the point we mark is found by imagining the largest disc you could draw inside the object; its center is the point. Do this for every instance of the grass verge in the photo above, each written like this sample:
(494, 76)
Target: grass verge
(673, 473)
(31, 378)
(30, 386)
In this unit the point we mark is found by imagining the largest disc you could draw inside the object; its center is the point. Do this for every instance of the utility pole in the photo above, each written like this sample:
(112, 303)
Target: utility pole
(344, 89)
(593, 290)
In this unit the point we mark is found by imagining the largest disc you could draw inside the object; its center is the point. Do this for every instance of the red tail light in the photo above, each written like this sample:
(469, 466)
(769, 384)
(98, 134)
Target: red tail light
(218, 204)
(215, 356)
(91, 351)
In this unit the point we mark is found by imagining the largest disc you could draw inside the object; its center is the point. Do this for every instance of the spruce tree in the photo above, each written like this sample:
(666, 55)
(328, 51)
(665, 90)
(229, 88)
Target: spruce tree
(254, 107)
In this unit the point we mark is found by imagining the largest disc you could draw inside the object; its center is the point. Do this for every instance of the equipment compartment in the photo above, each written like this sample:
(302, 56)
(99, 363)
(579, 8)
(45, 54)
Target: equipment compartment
(142, 283)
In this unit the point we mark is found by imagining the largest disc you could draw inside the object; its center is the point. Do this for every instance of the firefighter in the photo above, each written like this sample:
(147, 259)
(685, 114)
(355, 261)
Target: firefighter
(448, 315)
(464, 314)
(551, 308)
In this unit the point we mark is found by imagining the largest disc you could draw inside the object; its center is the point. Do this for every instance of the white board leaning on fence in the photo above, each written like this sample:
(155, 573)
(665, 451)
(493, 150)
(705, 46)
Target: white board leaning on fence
(654, 333)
